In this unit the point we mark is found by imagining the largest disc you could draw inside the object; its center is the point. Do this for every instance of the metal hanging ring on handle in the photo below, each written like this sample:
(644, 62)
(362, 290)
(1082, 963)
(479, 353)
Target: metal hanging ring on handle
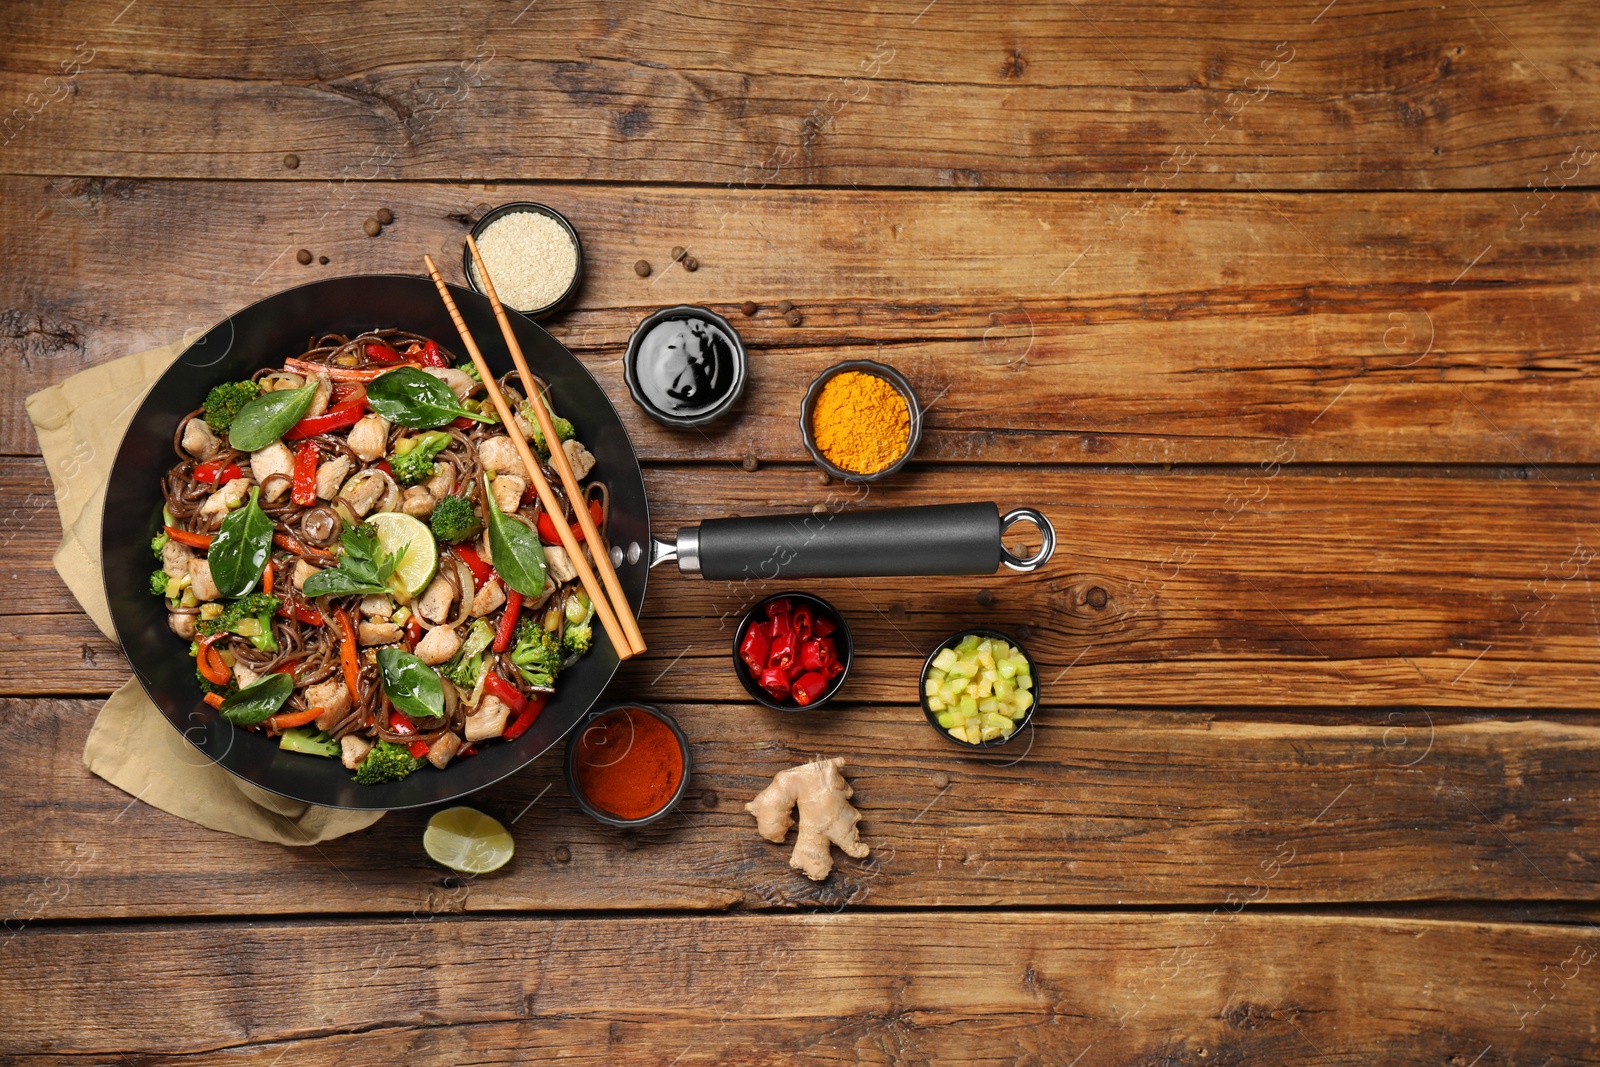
(1047, 534)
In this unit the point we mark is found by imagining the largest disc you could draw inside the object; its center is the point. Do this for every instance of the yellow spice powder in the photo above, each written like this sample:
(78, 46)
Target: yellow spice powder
(860, 422)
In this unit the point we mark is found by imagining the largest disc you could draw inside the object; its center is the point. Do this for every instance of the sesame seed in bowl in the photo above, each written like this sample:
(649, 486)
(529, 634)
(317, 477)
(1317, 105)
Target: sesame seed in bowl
(532, 252)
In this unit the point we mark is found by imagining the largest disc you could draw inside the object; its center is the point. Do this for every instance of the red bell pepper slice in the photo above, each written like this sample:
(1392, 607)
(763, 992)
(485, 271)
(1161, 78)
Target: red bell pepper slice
(526, 717)
(480, 570)
(508, 622)
(504, 692)
(349, 654)
(184, 537)
(753, 649)
(305, 475)
(299, 611)
(210, 662)
(347, 412)
(217, 474)
(383, 353)
(414, 629)
(419, 749)
(808, 687)
(547, 527)
(432, 356)
(400, 722)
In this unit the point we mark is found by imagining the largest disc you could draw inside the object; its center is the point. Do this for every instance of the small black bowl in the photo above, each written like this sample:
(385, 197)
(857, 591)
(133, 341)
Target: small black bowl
(951, 642)
(600, 814)
(734, 388)
(841, 641)
(538, 209)
(888, 374)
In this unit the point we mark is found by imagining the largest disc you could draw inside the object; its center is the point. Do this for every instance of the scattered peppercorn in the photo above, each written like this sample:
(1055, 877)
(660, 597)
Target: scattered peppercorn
(749, 307)
(708, 799)
(629, 842)
(690, 263)
(793, 318)
(323, 260)
(750, 463)
(372, 227)
(291, 161)
(563, 854)
(384, 216)
(786, 306)
(304, 256)
(986, 597)
(642, 268)
(819, 509)
(824, 478)
(677, 253)
(941, 781)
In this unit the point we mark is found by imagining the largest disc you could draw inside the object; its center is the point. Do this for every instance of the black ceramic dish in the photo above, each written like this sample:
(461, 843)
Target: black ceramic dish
(730, 390)
(266, 333)
(951, 641)
(540, 209)
(841, 641)
(888, 374)
(600, 814)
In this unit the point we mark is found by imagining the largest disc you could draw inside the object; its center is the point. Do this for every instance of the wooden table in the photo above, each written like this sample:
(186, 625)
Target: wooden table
(1285, 314)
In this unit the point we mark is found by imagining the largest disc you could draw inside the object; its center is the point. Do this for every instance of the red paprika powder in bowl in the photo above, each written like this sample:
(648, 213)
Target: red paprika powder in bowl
(627, 764)
(792, 652)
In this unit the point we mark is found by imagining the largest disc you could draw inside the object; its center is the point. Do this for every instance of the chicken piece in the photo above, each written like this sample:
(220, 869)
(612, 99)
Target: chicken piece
(499, 454)
(460, 382)
(353, 749)
(508, 490)
(201, 582)
(443, 482)
(283, 379)
(364, 491)
(320, 398)
(488, 599)
(369, 438)
(437, 645)
(333, 697)
(181, 624)
(434, 606)
(175, 559)
(579, 458)
(418, 501)
(198, 440)
(302, 571)
(488, 719)
(274, 459)
(525, 424)
(331, 475)
(244, 675)
(443, 750)
(226, 499)
(377, 606)
(559, 564)
(378, 633)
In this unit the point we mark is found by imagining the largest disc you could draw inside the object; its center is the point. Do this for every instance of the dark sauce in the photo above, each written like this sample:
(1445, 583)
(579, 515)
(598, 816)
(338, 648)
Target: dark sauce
(686, 366)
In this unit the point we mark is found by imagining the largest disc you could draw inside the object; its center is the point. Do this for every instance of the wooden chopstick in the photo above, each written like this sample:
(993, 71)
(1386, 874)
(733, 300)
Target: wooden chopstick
(558, 458)
(591, 584)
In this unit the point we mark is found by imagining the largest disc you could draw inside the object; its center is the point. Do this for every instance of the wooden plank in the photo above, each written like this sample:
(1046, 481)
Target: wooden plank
(1061, 328)
(953, 95)
(1099, 807)
(992, 988)
(1168, 588)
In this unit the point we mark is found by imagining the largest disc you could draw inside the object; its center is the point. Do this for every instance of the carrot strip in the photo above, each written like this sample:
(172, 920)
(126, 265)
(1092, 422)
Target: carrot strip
(347, 654)
(184, 537)
(266, 578)
(287, 719)
(214, 699)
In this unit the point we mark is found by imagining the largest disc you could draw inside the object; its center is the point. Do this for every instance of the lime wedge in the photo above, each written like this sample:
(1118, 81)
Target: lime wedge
(467, 840)
(397, 531)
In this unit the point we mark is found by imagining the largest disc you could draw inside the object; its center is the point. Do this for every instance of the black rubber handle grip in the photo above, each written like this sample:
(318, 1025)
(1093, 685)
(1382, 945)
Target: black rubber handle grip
(876, 543)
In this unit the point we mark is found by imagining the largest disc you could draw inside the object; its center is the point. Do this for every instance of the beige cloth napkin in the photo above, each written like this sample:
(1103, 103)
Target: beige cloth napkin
(80, 423)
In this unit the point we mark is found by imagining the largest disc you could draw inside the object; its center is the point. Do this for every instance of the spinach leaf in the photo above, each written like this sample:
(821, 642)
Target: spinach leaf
(240, 551)
(363, 567)
(258, 702)
(269, 416)
(518, 555)
(415, 398)
(411, 684)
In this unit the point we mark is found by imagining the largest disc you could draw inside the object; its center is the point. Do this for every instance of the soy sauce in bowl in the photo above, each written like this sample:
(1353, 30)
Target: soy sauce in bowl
(685, 366)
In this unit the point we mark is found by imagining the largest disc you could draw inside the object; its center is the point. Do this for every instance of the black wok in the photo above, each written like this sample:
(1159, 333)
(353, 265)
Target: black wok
(947, 539)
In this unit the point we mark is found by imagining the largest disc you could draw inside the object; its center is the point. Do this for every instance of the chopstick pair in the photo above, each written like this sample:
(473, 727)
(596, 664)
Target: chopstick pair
(610, 603)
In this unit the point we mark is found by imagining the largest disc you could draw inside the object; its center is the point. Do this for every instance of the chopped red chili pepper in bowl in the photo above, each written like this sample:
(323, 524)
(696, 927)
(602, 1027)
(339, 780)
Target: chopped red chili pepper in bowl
(792, 651)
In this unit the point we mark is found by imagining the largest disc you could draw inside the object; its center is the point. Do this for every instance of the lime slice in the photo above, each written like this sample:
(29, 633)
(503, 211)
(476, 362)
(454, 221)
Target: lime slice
(397, 530)
(467, 840)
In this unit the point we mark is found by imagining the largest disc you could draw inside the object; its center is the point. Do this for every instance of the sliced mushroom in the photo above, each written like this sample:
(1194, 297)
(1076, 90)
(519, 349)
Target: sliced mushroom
(181, 623)
(331, 475)
(198, 440)
(369, 438)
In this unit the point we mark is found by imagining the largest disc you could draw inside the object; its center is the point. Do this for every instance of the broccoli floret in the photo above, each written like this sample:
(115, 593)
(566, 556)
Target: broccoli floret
(309, 740)
(579, 633)
(158, 542)
(250, 617)
(455, 520)
(415, 464)
(537, 654)
(387, 762)
(564, 432)
(224, 402)
(466, 666)
(208, 686)
(158, 583)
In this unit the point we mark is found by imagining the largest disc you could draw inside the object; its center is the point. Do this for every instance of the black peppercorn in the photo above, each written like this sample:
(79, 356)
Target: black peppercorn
(304, 256)
(749, 307)
(786, 306)
(793, 318)
(384, 215)
(291, 161)
(642, 268)
(372, 227)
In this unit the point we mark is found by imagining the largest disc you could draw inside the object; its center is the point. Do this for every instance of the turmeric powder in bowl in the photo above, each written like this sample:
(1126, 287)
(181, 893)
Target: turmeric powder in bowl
(861, 420)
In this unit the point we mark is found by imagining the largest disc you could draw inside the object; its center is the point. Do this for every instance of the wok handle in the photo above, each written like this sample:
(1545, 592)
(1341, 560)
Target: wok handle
(876, 543)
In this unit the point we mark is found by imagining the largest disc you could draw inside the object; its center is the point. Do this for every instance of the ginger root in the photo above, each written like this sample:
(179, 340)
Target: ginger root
(825, 815)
